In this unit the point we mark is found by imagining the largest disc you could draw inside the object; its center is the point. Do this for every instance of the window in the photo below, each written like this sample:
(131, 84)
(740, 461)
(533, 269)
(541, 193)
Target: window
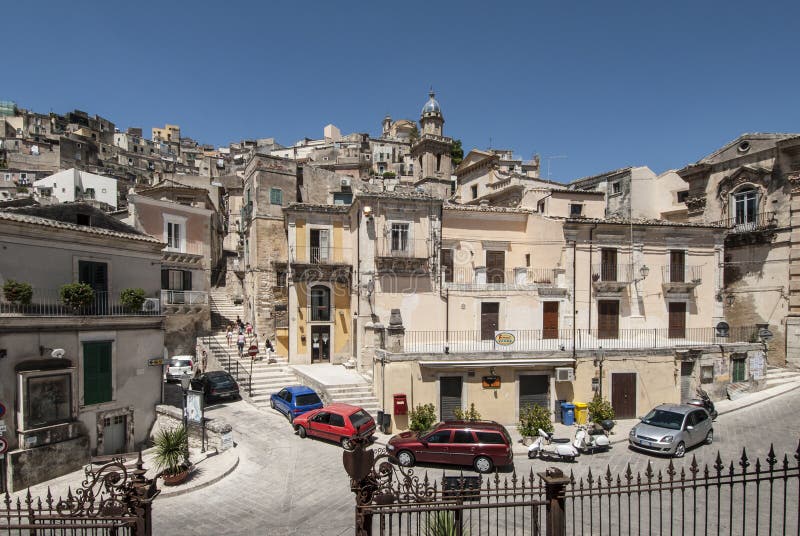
(442, 436)
(683, 195)
(337, 420)
(89, 193)
(447, 265)
(23, 177)
(490, 438)
(342, 198)
(575, 210)
(276, 196)
(8, 176)
(540, 207)
(707, 374)
(97, 381)
(48, 400)
(83, 219)
(173, 236)
(462, 436)
(746, 206)
(176, 280)
(474, 189)
(527, 260)
(616, 187)
(400, 236)
(320, 304)
(677, 266)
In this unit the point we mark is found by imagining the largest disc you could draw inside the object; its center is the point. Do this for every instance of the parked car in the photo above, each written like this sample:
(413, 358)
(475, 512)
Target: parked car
(216, 384)
(481, 444)
(177, 366)
(671, 429)
(338, 422)
(295, 400)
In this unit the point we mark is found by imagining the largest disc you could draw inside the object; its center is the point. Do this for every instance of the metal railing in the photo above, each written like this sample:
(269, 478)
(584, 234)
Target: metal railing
(405, 249)
(184, 297)
(680, 273)
(232, 365)
(740, 497)
(320, 255)
(423, 342)
(48, 302)
(481, 278)
(619, 273)
(755, 222)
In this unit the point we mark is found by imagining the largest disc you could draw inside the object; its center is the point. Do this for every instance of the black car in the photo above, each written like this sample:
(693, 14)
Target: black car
(216, 384)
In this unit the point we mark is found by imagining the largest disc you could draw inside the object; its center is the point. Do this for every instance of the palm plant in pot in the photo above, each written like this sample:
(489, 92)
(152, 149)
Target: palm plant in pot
(172, 455)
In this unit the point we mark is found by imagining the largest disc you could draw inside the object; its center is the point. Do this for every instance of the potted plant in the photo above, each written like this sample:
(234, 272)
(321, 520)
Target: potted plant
(17, 292)
(531, 419)
(132, 299)
(171, 455)
(77, 295)
(471, 414)
(600, 410)
(423, 417)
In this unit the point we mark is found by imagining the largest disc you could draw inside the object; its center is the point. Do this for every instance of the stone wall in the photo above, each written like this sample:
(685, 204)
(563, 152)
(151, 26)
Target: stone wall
(182, 330)
(168, 417)
(28, 467)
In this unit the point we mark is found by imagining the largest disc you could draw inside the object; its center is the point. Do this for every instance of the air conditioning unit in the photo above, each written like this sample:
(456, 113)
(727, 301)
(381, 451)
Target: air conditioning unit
(150, 305)
(345, 183)
(565, 374)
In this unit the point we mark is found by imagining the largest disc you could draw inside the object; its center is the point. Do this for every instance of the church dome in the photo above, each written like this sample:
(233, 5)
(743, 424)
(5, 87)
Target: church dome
(432, 106)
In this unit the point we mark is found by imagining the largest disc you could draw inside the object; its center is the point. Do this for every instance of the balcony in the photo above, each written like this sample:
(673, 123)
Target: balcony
(47, 302)
(554, 340)
(191, 257)
(753, 229)
(184, 297)
(680, 279)
(478, 279)
(402, 255)
(611, 278)
(321, 264)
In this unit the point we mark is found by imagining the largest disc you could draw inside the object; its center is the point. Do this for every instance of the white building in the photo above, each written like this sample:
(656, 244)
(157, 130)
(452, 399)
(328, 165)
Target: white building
(74, 185)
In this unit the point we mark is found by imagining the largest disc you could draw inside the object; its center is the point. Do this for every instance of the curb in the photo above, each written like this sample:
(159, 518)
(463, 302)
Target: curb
(755, 402)
(201, 485)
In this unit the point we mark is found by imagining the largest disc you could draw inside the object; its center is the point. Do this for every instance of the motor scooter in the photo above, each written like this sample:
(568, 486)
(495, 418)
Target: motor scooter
(705, 402)
(591, 438)
(544, 446)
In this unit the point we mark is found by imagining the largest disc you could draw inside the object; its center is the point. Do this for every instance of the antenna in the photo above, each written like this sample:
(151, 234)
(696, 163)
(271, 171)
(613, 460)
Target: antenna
(549, 158)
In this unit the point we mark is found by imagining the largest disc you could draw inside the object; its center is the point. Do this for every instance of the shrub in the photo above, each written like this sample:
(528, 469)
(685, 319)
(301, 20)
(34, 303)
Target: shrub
(443, 523)
(600, 409)
(423, 417)
(77, 295)
(532, 418)
(172, 449)
(389, 174)
(132, 298)
(17, 292)
(471, 414)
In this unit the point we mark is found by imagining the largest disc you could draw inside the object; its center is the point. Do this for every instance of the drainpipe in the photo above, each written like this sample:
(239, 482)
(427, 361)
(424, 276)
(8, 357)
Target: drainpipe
(591, 247)
(447, 322)
(574, 299)
(358, 290)
(288, 307)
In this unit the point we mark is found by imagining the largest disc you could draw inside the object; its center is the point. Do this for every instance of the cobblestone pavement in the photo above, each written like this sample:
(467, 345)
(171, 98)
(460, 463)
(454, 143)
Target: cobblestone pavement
(287, 485)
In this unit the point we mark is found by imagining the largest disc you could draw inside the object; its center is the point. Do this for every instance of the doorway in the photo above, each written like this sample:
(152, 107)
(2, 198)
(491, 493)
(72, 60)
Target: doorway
(550, 320)
(95, 274)
(534, 389)
(450, 389)
(320, 344)
(608, 266)
(687, 370)
(608, 319)
(319, 246)
(114, 432)
(738, 370)
(495, 267)
(677, 320)
(623, 394)
(490, 319)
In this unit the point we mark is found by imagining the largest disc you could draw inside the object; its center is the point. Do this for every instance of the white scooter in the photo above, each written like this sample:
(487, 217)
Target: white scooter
(544, 446)
(591, 439)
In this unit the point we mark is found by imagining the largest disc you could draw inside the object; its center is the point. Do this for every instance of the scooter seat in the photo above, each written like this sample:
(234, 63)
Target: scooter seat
(560, 440)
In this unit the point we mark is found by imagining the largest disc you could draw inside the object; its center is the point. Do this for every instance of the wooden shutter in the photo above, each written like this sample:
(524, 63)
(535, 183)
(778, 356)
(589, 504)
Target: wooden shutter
(447, 265)
(97, 372)
(449, 396)
(608, 319)
(677, 320)
(677, 266)
(495, 266)
(533, 389)
(187, 280)
(323, 244)
(608, 267)
(165, 279)
(550, 320)
(623, 394)
(490, 315)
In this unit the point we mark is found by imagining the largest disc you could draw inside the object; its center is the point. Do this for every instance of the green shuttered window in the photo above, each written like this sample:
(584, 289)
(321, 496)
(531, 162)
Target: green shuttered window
(96, 372)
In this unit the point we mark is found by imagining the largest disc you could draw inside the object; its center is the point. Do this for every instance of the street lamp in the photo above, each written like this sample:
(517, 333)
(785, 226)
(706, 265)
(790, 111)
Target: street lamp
(186, 380)
(644, 271)
(600, 357)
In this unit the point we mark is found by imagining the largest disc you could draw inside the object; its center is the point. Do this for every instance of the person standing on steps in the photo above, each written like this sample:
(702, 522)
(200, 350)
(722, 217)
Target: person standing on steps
(229, 334)
(240, 340)
(239, 323)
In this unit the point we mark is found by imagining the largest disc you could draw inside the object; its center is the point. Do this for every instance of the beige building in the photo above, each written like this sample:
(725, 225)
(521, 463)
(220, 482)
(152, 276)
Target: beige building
(76, 382)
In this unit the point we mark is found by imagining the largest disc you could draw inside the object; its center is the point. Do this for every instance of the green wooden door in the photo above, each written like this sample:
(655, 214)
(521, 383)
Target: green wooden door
(738, 366)
(97, 386)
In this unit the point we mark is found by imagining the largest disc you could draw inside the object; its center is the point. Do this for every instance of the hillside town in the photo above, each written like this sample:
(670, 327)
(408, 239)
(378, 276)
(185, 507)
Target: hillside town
(388, 269)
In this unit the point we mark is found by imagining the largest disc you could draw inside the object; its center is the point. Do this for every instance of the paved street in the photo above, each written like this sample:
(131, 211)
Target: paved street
(287, 485)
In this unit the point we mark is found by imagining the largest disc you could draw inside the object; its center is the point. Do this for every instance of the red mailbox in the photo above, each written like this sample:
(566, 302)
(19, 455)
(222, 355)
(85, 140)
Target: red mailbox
(400, 404)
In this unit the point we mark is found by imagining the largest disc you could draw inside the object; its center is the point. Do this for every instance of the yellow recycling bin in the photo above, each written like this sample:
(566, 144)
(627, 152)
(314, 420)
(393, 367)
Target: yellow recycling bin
(581, 412)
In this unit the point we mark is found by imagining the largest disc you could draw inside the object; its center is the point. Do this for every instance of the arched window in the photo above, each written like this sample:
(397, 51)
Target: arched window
(320, 304)
(745, 206)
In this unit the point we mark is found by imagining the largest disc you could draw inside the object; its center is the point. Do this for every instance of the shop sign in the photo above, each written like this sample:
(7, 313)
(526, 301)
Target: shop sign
(505, 338)
(491, 382)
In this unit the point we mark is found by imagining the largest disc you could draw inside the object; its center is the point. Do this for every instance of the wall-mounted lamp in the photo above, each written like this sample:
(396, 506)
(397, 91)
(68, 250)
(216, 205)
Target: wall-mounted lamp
(367, 211)
(644, 271)
(729, 299)
(491, 371)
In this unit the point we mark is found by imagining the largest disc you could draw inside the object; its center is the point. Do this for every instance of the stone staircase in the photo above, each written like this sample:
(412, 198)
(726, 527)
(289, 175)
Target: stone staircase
(223, 310)
(780, 376)
(356, 394)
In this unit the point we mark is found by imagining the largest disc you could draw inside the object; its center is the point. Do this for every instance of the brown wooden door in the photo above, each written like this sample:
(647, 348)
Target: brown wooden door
(677, 320)
(495, 266)
(677, 266)
(550, 320)
(623, 394)
(608, 319)
(608, 266)
(490, 317)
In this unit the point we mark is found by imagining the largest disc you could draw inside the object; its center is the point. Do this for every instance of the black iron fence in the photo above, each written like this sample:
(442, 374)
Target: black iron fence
(112, 499)
(743, 497)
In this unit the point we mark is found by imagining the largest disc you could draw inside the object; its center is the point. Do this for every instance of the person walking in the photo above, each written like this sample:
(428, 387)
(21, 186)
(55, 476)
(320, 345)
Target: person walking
(229, 334)
(240, 340)
(239, 323)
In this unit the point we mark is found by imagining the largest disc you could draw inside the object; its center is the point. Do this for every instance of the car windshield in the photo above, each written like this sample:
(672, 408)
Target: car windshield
(664, 419)
(221, 380)
(307, 399)
(359, 418)
(180, 363)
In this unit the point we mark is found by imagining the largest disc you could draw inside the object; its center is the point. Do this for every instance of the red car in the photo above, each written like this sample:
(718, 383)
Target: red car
(481, 444)
(338, 422)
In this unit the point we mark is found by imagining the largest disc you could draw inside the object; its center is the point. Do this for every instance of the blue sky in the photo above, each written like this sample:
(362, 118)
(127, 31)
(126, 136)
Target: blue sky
(603, 84)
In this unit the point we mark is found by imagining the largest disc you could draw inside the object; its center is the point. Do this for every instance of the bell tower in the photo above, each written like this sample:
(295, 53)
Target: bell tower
(431, 118)
(431, 152)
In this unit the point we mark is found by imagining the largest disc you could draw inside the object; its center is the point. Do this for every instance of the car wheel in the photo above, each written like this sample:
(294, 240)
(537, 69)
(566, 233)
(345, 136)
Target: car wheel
(482, 464)
(710, 437)
(272, 404)
(347, 444)
(301, 431)
(680, 450)
(405, 458)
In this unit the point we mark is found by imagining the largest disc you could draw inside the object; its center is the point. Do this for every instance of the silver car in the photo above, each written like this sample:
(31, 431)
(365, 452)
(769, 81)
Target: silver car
(671, 429)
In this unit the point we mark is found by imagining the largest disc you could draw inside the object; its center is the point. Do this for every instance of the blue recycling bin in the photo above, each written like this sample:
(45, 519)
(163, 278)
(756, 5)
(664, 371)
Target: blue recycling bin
(568, 413)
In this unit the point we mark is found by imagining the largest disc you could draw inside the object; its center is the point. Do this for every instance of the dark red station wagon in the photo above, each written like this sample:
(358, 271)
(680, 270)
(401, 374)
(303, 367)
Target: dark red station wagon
(481, 444)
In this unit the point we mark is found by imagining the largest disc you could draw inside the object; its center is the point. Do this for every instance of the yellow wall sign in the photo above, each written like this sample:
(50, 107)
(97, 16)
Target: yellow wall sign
(504, 338)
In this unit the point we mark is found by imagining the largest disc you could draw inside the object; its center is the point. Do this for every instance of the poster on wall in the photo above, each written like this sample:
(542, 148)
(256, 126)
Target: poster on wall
(194, 406)
(757, 364)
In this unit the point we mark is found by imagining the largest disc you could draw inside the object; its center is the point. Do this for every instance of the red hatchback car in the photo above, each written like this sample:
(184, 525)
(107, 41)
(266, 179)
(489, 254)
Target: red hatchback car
(481, 444)
(338, 422)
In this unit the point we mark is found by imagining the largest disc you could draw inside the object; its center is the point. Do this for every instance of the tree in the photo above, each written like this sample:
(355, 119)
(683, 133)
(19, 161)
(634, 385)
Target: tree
(456, 153)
